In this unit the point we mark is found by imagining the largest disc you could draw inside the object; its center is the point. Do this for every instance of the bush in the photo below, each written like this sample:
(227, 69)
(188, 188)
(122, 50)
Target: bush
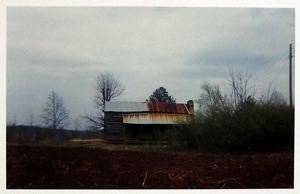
(222, 125)
(260, 128)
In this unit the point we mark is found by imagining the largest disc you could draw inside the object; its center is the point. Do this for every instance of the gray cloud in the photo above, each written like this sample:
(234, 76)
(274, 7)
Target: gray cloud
(64, 49)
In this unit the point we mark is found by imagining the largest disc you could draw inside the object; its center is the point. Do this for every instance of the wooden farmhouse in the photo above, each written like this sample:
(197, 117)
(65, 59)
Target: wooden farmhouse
(142, 121)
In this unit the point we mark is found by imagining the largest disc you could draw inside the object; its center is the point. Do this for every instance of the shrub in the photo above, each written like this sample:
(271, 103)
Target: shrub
(223, 125)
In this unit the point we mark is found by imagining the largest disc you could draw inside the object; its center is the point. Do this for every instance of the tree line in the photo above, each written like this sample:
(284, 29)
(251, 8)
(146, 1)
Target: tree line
(237, 121)
(232, 121)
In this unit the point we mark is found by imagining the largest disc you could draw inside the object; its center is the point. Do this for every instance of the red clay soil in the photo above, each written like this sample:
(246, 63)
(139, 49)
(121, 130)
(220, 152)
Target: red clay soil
(31, 167)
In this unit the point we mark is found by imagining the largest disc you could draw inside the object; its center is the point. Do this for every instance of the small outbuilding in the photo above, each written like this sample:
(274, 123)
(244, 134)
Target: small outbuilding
(142, 121)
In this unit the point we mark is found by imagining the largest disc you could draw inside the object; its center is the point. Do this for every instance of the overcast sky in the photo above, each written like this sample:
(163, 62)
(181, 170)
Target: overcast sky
(64, 49)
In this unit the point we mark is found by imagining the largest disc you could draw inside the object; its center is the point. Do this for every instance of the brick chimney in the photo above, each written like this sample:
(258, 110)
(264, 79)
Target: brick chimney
(190, 106)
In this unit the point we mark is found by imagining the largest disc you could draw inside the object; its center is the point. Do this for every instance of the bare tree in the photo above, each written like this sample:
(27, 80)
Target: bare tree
(273, 96)
(94, 122)
(107, 88)
(241, 92)
(212, 100)
(240, 88)
(54, 114)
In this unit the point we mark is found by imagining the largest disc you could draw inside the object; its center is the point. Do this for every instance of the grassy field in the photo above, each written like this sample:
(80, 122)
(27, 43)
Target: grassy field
(99, 143)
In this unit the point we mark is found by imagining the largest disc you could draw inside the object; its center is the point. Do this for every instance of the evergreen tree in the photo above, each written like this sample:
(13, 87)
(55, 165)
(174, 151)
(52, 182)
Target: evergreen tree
(161, 95)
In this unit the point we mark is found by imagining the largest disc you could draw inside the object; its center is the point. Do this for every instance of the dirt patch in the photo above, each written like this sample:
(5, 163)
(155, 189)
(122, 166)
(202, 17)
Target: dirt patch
(82, 168)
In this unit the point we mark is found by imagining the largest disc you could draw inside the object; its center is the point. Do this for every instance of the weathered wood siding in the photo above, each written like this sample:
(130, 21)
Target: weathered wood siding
(113, 126)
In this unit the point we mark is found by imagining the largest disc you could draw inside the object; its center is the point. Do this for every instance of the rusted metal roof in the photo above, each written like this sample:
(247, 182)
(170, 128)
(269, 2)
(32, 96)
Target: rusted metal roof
(168, 108)
(125, 107)
(154, 118)
(128, 107)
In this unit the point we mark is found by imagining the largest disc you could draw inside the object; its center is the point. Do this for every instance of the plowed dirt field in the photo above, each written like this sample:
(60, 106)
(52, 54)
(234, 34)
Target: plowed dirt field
(33, 167)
